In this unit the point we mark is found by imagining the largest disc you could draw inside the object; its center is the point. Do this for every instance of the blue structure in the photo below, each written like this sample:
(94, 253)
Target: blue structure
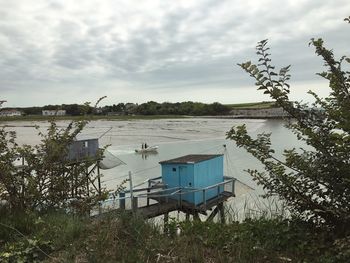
(194, 174)
(82, 149)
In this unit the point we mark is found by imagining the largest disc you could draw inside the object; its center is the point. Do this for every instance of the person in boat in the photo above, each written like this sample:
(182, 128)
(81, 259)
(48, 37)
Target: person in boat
(146, 145)
(142, 146)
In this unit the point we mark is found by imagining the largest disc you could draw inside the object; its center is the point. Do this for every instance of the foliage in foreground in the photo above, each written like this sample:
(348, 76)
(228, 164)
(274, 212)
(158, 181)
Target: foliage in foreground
(314, 183)
(43, 177)
(56, 237)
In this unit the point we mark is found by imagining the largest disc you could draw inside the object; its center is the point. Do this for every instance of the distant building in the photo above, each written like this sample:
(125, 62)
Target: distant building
(54, 112)
(10, 113)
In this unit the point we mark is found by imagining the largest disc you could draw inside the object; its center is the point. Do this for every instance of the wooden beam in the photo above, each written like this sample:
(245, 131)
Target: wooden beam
(196, 216)
(213, 214)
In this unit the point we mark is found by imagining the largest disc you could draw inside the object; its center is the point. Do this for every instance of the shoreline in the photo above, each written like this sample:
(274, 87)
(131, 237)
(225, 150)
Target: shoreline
(131, 117)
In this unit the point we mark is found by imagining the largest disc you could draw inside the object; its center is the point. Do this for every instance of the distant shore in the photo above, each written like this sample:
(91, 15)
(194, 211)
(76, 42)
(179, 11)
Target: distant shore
(130, 117)
(91, 117)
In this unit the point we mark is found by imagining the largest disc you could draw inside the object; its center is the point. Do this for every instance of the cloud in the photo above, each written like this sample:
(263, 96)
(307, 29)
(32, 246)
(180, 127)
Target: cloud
(156, 47)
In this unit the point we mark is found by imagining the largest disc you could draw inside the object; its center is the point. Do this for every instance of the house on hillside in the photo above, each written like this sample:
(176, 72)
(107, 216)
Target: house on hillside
(10, 113)
(54, 112)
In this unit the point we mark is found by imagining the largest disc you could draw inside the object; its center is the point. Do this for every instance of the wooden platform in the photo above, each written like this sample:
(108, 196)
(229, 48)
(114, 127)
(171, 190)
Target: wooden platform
(166, 205)
(162, 201)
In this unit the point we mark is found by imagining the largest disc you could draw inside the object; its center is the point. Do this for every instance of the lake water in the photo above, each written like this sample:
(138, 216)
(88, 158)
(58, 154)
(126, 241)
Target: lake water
(175, 137)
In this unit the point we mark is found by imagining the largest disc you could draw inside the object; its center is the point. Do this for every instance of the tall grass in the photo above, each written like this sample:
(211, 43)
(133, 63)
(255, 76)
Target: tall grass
(262, 236)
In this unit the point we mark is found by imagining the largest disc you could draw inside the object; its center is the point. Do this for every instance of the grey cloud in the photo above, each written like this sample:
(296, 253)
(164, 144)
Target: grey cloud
(196, 46)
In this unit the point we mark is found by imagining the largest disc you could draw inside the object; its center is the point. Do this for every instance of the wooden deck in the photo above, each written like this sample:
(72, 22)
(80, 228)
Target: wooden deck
(166, 200)
(167, 205)
(190, 208)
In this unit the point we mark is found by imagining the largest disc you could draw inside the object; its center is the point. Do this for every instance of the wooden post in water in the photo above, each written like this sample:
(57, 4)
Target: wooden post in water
(130, 184)
(99, 178)
(148, 191)
(233, 187)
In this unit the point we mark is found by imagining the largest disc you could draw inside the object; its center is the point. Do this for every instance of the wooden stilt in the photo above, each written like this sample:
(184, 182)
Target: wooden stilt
(222, 212)
(148, 191)
(213, 214)
(196, 216)
(166, 222)
(134, 204)
(99, 178)
(122, 201)
(87, 182)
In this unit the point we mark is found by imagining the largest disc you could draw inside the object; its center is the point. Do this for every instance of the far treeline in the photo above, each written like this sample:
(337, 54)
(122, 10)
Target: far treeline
(148, 108)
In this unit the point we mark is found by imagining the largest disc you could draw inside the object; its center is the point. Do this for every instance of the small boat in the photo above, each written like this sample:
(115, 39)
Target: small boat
(150, 149)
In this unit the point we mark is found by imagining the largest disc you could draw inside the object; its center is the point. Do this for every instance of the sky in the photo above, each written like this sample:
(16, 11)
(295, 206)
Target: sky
(66, 51)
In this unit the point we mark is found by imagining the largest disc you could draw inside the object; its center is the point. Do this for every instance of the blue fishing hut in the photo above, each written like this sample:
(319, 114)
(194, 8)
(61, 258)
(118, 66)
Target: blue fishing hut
(79, 150)
(196, 175)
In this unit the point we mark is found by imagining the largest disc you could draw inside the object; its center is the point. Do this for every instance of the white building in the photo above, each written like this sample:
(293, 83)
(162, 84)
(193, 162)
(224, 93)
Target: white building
(54, 112)
(10, 113)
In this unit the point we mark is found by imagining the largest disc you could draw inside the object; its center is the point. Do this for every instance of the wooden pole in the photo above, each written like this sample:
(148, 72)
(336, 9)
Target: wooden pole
(99, 178)
(130, 184)
(134, 204)
(233, 187)
(148, 191)
(166, 222)
(87, 181)
(122, 200)
(23, 179)
(222, 212)
(196, 216)
(213, 214)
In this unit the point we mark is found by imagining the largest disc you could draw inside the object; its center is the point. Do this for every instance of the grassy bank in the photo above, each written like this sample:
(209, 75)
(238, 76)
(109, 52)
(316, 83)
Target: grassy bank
(56, 237)
(253, 105)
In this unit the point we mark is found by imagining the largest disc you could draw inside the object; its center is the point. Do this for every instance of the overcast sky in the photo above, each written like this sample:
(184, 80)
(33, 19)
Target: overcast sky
(54, 52)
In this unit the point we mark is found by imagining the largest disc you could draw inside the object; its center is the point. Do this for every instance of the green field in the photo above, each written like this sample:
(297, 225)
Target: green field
(252, 105)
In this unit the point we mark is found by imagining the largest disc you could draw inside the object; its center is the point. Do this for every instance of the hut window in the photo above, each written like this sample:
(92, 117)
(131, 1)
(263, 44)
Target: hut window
(174, 169)
(86, 144)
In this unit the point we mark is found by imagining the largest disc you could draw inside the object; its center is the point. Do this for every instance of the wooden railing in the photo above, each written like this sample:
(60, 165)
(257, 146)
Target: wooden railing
(156, 190)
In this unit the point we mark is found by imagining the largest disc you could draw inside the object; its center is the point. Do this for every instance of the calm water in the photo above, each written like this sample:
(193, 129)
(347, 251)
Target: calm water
(175, 137)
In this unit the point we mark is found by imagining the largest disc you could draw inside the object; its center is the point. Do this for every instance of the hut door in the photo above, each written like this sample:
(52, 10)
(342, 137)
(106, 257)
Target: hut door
(183, 176)
(185, 182)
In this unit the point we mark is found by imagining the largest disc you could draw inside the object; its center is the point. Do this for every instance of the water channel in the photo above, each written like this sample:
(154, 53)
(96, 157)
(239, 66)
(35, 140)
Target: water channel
(174, 137)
